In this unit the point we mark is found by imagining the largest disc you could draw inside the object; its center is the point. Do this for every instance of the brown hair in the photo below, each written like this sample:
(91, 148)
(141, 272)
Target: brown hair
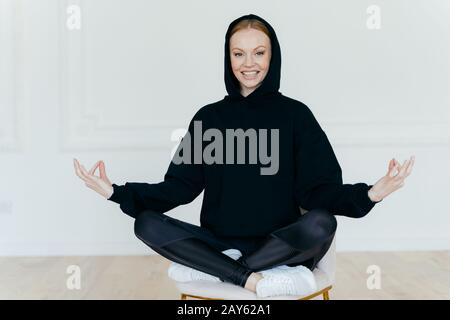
(250, 23)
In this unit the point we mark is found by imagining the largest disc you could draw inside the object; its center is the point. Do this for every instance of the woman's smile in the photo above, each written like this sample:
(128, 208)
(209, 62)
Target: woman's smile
(250, 75)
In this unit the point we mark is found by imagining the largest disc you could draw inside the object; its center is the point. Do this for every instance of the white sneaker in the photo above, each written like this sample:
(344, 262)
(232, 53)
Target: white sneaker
(182, 273)
(285, 280)
(233, 253)
(282, 269)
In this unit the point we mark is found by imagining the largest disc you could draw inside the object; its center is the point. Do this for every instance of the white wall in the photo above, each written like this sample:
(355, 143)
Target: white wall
(137, 70)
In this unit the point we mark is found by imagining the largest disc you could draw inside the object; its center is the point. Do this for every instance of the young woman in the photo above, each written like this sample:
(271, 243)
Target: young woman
(251, 232)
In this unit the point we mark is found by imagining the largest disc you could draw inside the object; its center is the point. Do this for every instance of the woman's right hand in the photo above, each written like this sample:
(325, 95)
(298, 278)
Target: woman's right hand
(99, 184)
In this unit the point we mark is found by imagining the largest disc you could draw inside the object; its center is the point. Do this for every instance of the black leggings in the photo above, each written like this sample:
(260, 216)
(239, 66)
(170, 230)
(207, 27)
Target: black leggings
(303, 242)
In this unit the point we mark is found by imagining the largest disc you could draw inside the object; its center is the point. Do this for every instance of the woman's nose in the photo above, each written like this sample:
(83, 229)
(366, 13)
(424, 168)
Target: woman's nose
(248, 61)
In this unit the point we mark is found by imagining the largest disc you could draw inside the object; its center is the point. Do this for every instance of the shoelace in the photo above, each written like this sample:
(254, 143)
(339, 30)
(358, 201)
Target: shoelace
(280, 279)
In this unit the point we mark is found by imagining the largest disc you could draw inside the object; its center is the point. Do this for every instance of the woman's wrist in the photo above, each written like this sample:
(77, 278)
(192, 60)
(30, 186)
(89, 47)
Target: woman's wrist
(110, 193)
(373, 196)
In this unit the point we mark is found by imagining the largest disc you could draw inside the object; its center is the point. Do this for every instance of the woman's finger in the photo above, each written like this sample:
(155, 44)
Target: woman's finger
(411, 164)
(92, 178)
(392, 171)
(102, 170)
(395, 168)
(78, 170)
(86, 174)
(75, 167)
(94, 168)
(391, 164)
(403, 168)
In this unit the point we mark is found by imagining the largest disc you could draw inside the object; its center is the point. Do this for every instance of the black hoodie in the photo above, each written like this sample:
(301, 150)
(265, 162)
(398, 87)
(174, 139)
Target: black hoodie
(238, 200)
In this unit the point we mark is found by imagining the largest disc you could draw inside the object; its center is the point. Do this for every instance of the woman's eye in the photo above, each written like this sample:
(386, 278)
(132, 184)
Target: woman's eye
(237, 54)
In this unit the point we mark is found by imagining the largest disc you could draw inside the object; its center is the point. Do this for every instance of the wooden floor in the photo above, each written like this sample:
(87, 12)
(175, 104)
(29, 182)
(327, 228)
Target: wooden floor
(404, 275)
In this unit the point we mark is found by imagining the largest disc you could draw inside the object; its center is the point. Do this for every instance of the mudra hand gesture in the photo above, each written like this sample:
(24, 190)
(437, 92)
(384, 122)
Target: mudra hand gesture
(393, 180)
(99, 184)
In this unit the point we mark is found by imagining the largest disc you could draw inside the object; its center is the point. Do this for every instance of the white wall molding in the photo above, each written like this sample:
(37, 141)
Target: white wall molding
(83, 128)
(11, 78)
(389, 243)
(86, 129)
(73, 248)
(367, 134)
(101, 248)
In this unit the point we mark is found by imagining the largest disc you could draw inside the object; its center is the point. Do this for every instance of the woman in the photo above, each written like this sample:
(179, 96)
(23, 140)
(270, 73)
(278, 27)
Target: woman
(251, 232)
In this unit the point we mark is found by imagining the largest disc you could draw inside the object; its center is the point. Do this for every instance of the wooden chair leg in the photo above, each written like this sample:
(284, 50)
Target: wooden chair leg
(183, 296)
(326, 295)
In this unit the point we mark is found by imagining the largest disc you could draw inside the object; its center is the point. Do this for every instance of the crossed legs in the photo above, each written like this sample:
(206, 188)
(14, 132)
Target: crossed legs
(303, 242)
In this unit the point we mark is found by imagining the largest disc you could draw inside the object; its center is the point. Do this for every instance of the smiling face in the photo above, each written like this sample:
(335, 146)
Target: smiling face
(250, 54)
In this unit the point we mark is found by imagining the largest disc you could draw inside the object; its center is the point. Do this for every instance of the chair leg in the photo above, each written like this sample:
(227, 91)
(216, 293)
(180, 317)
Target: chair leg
(183, 296)
(326, 295)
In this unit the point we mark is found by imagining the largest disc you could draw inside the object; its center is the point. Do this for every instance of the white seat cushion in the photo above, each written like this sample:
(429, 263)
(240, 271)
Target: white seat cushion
(229, 291)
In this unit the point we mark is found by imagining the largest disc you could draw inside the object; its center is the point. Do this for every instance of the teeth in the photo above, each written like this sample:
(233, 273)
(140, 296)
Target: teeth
(251, 72)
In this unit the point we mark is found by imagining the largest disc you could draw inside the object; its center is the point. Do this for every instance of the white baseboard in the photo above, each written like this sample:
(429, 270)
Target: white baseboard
(74, 249)
(343, 244)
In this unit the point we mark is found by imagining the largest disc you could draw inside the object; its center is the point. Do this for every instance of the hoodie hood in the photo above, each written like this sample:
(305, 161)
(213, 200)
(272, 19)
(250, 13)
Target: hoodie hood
(271, 83)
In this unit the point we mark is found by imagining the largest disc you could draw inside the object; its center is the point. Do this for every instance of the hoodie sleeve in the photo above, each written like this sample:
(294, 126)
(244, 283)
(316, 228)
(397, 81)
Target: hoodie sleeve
(182, 184)
(319, 175)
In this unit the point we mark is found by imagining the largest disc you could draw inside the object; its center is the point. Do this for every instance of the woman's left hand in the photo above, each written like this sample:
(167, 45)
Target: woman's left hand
(393, 180)
(99, 184)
